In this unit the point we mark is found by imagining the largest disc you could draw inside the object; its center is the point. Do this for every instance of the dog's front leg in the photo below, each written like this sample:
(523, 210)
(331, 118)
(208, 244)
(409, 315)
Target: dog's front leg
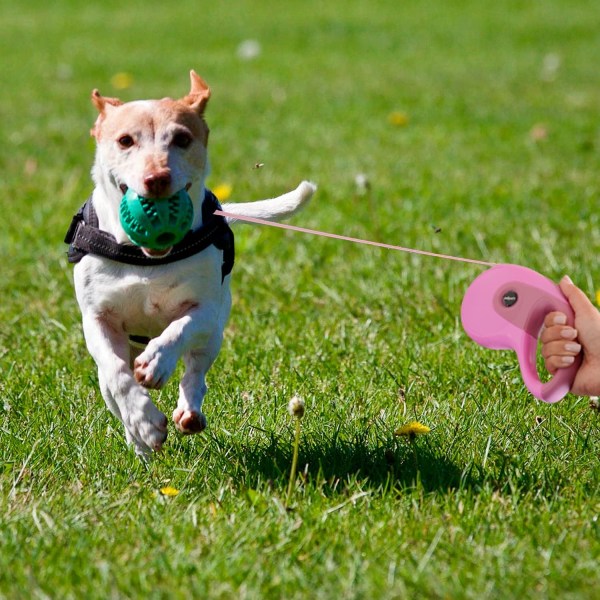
(145, 425)
(155, 365)
(196, 337)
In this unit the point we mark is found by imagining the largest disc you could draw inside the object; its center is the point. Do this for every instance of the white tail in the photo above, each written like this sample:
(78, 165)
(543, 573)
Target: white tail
(275, 209)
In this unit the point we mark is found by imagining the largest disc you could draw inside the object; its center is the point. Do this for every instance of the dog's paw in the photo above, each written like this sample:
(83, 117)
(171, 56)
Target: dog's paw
(189, 421)
(153, 367)
(148, 426)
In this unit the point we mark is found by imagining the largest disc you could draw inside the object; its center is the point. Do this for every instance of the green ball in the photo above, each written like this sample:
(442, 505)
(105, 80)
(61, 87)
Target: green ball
(156, 223)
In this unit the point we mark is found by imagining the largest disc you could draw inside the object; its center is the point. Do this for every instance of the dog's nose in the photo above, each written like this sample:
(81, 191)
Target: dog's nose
(157, 183)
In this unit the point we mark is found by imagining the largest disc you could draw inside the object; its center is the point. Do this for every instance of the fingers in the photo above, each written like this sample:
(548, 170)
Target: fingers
(560, 350)
(555, 328)
(555, 318)
(559, 345)
(559, 354)
(582, 305)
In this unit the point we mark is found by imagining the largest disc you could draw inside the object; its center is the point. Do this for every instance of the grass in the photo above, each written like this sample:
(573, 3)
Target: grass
(499, 160)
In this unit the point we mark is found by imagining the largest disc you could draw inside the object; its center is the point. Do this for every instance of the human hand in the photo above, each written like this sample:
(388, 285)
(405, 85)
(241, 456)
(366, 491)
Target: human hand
(561, 343)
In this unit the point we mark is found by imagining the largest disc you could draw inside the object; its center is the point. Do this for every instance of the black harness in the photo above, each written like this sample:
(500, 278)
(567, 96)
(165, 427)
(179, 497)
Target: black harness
(84, 237)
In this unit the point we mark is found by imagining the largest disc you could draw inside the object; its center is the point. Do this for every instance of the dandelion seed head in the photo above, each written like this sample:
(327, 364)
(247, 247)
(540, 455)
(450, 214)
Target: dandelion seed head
(550, 66)
(296, 407)
(362, 183)
(249, 49)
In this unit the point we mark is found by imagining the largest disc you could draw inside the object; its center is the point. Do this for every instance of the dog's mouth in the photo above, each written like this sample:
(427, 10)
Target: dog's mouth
(151, 253)
(124, 187)
(166, 239)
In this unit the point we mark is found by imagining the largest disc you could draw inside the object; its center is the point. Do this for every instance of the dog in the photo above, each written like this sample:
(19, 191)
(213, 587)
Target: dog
(140, 319)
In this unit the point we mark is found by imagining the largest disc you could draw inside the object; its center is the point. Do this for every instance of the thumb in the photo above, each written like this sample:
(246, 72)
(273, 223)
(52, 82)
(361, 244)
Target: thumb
(577, 299)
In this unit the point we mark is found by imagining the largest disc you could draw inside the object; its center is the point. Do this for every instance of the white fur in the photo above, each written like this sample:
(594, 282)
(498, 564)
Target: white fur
(183, 306)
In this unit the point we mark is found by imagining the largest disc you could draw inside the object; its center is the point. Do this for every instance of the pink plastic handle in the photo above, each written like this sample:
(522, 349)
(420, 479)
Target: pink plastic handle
(504, 308)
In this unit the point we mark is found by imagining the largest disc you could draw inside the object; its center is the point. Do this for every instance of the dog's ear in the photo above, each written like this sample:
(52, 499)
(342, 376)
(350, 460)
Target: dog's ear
(100, 102)
(199, 93)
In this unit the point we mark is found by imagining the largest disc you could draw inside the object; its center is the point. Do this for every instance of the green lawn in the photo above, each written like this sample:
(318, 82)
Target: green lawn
(477, 124)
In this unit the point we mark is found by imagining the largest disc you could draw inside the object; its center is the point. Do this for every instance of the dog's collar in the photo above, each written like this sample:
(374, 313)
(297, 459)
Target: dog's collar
(85, 237)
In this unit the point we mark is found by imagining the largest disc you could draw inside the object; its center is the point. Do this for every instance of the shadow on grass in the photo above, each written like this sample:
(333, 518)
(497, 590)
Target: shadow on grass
(331, 462)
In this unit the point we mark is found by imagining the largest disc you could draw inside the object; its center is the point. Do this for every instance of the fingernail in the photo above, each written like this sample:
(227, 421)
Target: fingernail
(568, 333)
(560, 320)
(567, 360)
(567, 279)
(572, 347)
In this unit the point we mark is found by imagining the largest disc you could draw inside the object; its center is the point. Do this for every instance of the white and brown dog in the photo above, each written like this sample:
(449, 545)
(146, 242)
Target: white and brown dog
(181, 306)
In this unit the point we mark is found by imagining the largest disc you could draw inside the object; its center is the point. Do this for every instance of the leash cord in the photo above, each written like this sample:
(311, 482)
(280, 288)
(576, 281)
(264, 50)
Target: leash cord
(346, 238)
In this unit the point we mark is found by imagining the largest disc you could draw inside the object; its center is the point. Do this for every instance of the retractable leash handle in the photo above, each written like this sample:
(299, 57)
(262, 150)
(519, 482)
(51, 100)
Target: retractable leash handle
(504, 309)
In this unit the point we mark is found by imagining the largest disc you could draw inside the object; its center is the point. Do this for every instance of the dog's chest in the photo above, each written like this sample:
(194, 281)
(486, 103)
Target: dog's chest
(145, 301)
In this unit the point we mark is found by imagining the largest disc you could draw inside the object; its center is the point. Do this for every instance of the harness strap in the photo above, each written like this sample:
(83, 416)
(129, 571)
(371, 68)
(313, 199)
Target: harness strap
(84, 237)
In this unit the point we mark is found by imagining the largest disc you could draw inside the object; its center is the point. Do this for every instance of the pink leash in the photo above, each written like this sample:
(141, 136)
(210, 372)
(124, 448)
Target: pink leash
(346, 238)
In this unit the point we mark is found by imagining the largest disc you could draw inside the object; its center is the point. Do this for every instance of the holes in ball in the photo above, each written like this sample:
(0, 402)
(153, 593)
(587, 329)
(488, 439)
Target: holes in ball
(165, 239)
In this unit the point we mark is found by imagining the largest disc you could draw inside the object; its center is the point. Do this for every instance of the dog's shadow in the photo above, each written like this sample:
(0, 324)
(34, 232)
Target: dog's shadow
(332, 462)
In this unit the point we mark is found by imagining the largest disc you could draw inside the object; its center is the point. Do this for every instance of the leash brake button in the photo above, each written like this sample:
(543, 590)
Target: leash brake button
(510, 298)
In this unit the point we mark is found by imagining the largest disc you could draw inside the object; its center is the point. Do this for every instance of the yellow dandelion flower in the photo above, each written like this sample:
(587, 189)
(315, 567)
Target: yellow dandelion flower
(169, 491)
(398, 118)
(121, 81)
(412, 429)
(598, 297)
(222, 191)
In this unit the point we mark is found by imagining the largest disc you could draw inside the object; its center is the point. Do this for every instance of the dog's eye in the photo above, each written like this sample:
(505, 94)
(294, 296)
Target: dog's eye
(125, 141)
(182, 140)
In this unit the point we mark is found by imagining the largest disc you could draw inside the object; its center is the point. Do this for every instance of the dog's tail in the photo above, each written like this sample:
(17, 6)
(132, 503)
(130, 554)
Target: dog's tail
(275, 209)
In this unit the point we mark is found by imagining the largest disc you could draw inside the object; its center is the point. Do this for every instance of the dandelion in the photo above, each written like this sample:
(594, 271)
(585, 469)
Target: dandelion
(362, 183)
(223, 191)
(249, 49)
(121, 81)
(398, 118)
(550, 66)
(169, 491)
(296, 408)
(412, 430)
(598, 297)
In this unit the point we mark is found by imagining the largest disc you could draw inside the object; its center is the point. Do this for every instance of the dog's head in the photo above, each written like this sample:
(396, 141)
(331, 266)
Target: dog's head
(155, 147)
